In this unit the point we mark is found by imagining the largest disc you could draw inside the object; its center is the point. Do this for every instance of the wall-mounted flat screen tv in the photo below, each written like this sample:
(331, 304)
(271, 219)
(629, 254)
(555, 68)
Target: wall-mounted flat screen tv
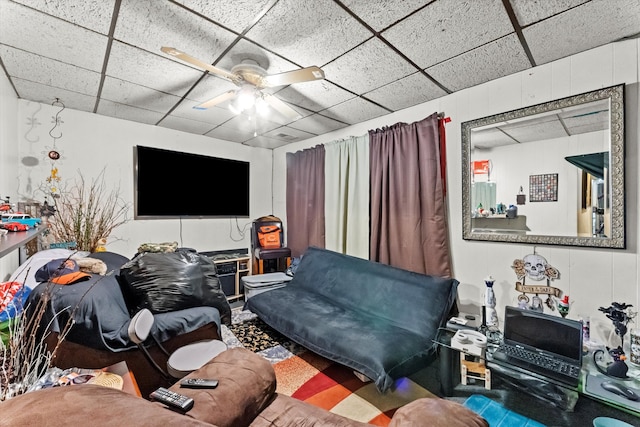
(173, 184)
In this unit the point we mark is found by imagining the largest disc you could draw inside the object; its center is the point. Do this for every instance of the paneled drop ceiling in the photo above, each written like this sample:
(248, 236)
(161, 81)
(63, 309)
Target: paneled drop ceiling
(103, 56)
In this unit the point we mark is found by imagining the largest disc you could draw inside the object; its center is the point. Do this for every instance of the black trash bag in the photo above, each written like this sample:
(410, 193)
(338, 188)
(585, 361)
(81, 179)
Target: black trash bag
(163, 282)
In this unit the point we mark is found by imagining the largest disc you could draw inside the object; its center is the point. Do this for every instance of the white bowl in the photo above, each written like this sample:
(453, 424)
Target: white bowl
(609, 422)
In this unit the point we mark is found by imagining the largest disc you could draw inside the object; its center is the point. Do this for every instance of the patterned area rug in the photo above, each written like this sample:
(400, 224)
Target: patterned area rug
(257, 336)
(306, 376)
(320, 382)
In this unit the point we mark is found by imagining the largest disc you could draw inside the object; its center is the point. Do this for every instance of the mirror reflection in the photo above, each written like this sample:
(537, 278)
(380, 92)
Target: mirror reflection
(551, 173)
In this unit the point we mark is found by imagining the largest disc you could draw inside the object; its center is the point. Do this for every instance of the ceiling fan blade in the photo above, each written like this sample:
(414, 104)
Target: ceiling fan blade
(203, 65)
(282, 107)
(217, 100)
(296, 76)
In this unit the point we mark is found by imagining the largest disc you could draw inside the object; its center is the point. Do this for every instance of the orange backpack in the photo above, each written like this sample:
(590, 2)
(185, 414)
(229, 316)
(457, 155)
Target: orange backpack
(269, 236)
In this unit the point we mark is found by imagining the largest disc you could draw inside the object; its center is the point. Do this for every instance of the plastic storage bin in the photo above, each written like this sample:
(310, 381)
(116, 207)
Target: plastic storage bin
(254, 285)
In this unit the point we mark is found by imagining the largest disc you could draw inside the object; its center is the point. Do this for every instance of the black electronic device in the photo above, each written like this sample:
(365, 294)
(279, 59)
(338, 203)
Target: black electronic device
(550, 346)
(464, 321)
(620, 389)
(157, 172)
(226, 267)
(172, 399)
(199, 383)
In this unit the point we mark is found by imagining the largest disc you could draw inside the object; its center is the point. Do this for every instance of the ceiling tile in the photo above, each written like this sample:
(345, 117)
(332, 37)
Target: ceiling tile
(317, 124)
(314, 96)
(237, 18)
(380, 14)
(47, 95)
(528, 12)
(150, 24)
(447, 28)
(368, 66)
(54, 38)
(308, 33)
(210, 87)
(245, 50)
(491, 61)
(214, 115)
(288, 134)
(251, 124)
(354, 111)
(265, 142)
(92, 14)
(584, 27)
(57, 48)
(127, 112)
(489, 138)
(185, 125)
(39, 69)
(138, 66)
(123, 92)
(229, 133)
(543, 128)
(406, 92)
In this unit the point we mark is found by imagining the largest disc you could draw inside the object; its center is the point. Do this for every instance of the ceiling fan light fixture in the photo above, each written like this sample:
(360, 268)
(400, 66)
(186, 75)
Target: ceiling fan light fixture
(246, 101)
(262, 108)
(234, 107)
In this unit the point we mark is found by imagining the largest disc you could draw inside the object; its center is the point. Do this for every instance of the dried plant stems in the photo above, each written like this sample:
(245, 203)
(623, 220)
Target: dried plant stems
(87, 213)
(26, 356)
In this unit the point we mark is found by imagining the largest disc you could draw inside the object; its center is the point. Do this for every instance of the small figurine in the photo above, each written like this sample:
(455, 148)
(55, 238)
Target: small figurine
(619, 314)
(490, 303)
(563, 306)
(536, 304)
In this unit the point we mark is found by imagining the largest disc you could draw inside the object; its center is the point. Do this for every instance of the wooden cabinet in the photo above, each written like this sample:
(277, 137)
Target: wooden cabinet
(230, 273)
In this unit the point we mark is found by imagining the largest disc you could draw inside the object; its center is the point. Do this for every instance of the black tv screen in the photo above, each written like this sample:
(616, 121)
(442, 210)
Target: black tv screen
(173, 184)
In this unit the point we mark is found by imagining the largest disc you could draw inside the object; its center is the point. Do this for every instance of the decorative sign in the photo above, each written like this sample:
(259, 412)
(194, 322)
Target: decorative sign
(537, 289)
(543, 188)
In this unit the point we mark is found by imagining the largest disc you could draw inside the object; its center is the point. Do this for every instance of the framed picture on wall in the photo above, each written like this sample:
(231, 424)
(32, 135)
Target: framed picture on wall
(543, 188)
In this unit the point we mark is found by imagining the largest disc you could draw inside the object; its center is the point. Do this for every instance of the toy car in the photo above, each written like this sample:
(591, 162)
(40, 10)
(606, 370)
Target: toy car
(22, 218)
(15, 226)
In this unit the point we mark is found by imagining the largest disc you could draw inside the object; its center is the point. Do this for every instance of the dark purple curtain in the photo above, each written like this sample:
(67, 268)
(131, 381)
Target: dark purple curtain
(305, 199)
(408, 215)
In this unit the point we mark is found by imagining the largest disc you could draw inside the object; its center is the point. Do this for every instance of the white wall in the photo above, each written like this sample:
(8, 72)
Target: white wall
(91, 143)
(591, 277)
(8, 156)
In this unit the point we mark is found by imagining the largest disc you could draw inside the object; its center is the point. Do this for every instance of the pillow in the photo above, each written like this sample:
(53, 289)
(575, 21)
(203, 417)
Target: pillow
(246, 385)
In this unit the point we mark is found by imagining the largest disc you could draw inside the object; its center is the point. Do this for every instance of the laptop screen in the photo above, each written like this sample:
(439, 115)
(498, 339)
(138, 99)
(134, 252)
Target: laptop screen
(551, 334)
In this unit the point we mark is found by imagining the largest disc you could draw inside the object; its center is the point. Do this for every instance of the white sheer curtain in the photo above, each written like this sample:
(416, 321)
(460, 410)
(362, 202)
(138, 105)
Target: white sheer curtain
(347, 196)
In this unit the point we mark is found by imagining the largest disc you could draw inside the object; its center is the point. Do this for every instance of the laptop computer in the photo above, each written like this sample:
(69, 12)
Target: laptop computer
(541, 345)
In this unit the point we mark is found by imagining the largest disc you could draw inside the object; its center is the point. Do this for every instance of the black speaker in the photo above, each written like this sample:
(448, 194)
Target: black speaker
(228, 283)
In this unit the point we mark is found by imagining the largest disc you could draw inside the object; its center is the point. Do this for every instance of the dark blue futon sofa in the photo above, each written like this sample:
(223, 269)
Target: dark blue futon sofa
(376, 319)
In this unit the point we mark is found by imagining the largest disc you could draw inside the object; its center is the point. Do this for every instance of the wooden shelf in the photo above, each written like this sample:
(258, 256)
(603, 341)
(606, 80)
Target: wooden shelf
(242, 268)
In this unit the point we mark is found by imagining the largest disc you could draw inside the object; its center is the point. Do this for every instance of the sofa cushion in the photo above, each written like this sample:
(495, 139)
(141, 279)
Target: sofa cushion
(436, 413)
(286, 411)
(391, 294)
(374, 318)
(87, 405)
(247, 384)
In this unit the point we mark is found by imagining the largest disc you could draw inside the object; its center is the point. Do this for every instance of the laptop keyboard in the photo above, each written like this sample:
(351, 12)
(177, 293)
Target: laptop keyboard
(542, 361)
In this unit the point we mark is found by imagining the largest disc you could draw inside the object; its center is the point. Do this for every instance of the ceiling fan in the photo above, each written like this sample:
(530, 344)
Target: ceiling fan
(251, 79)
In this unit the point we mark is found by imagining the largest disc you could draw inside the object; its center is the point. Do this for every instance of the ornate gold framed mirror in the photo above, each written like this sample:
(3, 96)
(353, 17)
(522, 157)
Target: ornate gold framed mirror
(551, 173)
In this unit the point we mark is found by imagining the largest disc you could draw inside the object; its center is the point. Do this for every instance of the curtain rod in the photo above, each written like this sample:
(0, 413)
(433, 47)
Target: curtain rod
(446, 119)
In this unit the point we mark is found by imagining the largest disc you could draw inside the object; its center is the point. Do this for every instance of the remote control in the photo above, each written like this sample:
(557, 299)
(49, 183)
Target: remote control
(172, 399)
(199, 383)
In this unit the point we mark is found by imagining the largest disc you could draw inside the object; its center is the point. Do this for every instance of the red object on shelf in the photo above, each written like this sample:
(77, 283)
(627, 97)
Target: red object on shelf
(480, 167)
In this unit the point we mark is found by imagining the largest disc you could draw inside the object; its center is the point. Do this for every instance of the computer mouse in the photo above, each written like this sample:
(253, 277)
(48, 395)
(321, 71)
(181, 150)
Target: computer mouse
(620, 389)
